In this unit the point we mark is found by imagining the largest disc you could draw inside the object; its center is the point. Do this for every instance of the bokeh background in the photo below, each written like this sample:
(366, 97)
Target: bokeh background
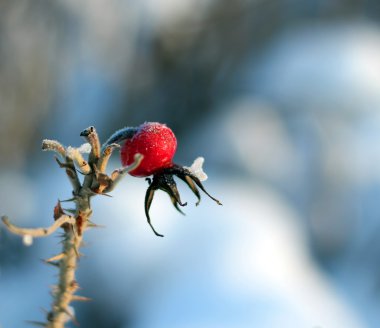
(281, 97)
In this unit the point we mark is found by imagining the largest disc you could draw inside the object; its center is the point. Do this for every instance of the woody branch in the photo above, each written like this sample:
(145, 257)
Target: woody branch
(95, 182)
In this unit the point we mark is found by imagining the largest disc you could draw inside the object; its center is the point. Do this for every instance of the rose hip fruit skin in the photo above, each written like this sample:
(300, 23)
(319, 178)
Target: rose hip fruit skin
(156, 142)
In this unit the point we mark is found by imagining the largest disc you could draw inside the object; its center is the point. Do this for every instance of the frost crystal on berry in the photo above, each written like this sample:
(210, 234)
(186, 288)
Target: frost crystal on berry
(197, 169)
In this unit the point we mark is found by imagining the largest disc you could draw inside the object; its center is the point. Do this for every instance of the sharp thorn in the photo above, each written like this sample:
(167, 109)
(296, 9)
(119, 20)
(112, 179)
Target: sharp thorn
(79, 298)
(108, 195)
(94, 225)
(68, 200)
(37, 323)
(56, 257)
(54, 264)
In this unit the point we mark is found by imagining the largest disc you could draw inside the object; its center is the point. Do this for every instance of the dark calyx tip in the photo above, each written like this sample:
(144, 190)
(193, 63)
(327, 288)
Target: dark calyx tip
(87, 132)
(158, 234)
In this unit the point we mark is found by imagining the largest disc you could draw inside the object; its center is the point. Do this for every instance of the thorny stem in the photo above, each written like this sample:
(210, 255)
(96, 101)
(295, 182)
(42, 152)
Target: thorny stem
(67, 285)
(95, 182)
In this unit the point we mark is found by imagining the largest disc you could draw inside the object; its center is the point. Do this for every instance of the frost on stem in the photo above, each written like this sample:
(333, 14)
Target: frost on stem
(95, 182)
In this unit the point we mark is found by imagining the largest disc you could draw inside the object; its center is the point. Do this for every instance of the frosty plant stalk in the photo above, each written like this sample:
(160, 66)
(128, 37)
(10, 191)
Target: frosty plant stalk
(146, 150)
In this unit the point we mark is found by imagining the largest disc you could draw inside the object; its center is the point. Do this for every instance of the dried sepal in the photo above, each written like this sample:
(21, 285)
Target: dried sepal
(105, 156)
(101, 181)
(93, 139)
(148, 202)
(192, 186)
(175, 204)
(164, 180)
(166, 183)
(58, 211)
(79, 161)
(200, 185)
(53, 145)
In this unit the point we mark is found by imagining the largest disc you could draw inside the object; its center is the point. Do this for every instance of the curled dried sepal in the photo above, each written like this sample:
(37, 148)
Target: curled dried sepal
(101, 182)
(190, 178)
(148, 201)
(79, 161)
(166, 183)
(93, 139)
(163, 180)
(38, 232)
(58, 211)
(53, 145)
(105, 156)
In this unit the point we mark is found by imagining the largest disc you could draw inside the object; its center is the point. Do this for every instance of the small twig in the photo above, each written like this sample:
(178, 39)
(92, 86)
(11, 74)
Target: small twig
(117, 175)
(38, 232)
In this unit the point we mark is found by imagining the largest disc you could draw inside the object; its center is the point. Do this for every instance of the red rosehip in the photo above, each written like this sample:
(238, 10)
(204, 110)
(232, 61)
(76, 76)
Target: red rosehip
(156, 142)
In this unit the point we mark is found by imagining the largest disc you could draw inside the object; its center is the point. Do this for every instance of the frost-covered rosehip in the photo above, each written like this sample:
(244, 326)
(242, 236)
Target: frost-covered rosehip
(158, 144)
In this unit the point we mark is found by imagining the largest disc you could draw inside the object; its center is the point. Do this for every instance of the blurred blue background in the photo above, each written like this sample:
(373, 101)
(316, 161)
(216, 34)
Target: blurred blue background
(281, 97)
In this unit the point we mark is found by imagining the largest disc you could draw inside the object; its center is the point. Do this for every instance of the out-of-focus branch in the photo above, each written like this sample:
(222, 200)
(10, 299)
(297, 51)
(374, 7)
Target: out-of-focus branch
(38, 232)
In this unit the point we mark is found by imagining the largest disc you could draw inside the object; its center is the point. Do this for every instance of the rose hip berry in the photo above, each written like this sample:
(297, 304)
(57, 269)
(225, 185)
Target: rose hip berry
(156, 142)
